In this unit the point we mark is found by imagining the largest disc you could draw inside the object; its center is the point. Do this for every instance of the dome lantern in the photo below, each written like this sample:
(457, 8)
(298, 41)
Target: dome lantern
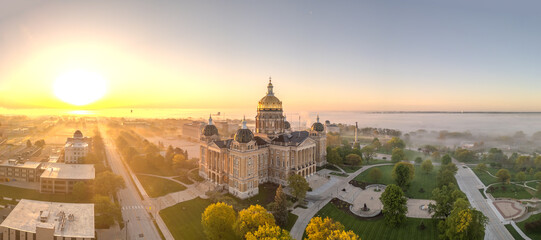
(269, 88)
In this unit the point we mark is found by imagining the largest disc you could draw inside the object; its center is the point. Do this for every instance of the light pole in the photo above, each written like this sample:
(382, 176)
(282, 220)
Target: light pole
(127, 222)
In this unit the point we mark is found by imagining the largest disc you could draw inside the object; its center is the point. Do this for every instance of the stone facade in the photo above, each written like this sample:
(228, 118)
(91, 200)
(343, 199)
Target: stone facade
(274, 152)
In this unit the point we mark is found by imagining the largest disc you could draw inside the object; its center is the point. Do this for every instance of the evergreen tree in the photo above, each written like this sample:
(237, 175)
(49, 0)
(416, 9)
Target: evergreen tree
(279, 207)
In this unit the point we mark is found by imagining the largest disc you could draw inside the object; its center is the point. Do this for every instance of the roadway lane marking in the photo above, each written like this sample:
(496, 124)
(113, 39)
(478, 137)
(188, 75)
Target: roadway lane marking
(132, 207)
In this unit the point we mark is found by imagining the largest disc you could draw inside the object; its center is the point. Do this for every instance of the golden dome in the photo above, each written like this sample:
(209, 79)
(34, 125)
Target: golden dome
(269, 102)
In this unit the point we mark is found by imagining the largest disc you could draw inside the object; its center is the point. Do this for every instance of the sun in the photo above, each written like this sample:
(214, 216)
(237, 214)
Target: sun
(80, 87)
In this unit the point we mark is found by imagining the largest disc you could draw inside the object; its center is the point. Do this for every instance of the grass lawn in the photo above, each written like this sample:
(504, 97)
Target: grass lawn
(532, 218)
(195, 176)
(513, 232)
(267, 191)
(157, 187)
(376, 161)
(483, 193)
(340, 174)
(411, 155)
(378, 229)
(184, 179)
(485, 177)
(509, 191)
(350, 169)
(421, 180)
(23, 193)
(291, 219)
(327, 166)
(533, 184)
(184, 219)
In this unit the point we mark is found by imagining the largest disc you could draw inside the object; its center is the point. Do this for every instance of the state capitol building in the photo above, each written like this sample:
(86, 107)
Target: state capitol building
(270, 154)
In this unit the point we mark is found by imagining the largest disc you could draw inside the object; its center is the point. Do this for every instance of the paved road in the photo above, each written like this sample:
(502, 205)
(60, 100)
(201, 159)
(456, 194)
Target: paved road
(469, 184)
(134, 210)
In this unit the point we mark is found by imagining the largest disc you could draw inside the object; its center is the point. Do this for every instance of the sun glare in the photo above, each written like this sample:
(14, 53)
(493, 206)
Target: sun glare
(80, 87)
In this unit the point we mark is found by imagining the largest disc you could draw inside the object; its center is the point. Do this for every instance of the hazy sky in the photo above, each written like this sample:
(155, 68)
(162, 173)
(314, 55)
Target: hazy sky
(322, 55)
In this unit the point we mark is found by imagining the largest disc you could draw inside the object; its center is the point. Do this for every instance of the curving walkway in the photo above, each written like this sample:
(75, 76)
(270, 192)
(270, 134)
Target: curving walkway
(192, 191)
(330, 190)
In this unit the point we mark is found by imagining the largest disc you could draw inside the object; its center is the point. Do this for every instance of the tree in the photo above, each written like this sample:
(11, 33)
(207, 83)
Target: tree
(481, 167)
(269, 232)
(418, 160)
(464, 155)
(80, 190)
(217, 221)
(279, 207)
(39, 143)
(343, 235)
(464, 222)
(538, 175)
(333, 156)
(328, 229)
(394, 205)
(403, 173)
(368, 152)
(398, 155)
(446, 175)
(376, 143)
(169, 154)
(503, 175)
(537, 162)
(179, 162)
(28, 143)
(427, 166)
(375, 174)
(298, 185)
(444, 196)
(396, 142)
(107, 183)
(523, 162)
(435, 155)
(106, 211)
(521, 176)
(497, 156)
(353, 159)
(446, 159)
(251, 218)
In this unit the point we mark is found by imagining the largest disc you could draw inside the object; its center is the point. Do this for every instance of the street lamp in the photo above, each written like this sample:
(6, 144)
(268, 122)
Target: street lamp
(127, 222)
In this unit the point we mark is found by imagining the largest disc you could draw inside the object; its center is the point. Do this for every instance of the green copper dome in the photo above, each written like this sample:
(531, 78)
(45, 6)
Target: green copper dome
(244, 135)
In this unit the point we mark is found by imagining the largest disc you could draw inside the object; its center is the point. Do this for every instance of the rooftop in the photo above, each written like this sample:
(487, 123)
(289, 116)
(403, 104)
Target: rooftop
(296, 137)
(76, 144)
(73, 220)
(69, 171)
(14, 163)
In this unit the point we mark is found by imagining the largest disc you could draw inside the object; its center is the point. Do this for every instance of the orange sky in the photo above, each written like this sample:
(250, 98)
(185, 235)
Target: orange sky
(175, 58)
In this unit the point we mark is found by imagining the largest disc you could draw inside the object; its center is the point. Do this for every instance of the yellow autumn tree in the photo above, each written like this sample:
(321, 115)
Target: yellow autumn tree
(343, 235)
(251, 218)
(325, 229)
(217, 221)
(464, 222)
(269, 232)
